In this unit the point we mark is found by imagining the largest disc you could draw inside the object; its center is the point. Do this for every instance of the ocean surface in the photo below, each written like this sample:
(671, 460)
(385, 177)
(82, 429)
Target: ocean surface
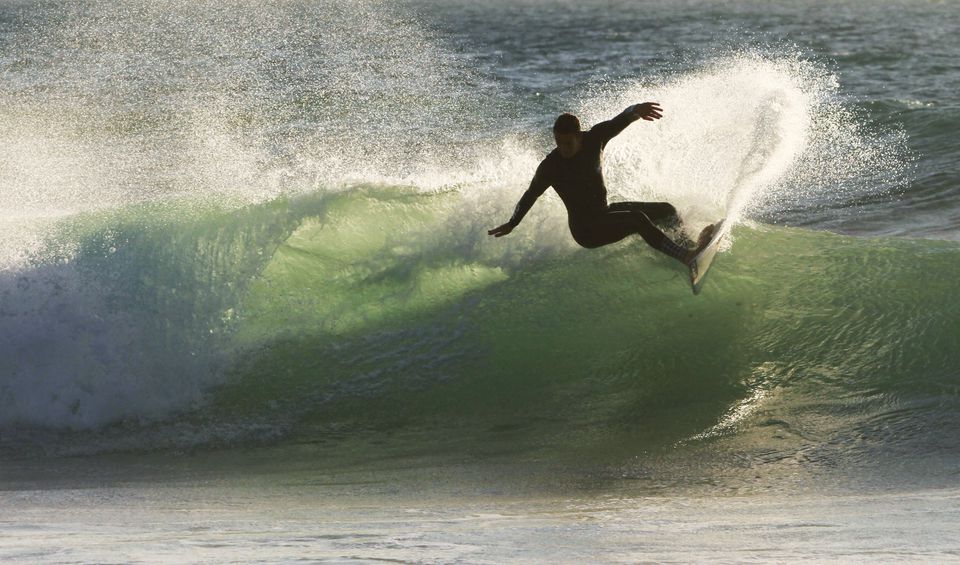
(249, 311)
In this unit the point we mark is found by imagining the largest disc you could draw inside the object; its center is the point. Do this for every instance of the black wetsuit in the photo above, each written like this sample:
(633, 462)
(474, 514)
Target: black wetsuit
(579, 182)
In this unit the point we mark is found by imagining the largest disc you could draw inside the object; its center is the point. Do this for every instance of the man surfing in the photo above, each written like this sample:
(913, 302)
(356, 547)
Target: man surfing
(574, 170)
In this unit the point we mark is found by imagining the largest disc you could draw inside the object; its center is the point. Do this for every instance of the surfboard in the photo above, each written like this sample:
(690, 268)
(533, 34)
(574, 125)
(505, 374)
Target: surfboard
(700, 264)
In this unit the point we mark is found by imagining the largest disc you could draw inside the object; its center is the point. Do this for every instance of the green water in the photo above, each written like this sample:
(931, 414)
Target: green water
(605, 351)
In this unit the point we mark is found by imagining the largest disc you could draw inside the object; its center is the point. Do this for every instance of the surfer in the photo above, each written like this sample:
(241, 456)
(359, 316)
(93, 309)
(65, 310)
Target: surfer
(574, 170)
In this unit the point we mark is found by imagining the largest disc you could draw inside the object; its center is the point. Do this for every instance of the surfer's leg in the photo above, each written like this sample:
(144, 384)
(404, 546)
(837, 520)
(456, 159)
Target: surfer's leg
(662, 213)
(613, 226)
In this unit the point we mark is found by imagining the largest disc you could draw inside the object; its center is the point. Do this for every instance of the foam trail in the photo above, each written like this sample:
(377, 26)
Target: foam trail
(742, 134)
(728, 132)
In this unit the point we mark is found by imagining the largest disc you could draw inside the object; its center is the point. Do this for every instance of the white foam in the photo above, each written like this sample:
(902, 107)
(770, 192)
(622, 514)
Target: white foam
(729, 132)
(71, 358)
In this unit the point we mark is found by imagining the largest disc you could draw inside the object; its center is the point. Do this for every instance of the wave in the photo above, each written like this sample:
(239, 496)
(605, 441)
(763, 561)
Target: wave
(197, 260)
(600, 338)
(378, 308)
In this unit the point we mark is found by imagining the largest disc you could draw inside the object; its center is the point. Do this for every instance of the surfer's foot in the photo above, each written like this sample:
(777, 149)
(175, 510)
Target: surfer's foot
(705, 235)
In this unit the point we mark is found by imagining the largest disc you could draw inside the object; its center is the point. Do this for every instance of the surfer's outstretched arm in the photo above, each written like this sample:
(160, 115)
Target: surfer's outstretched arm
(648, 111)
(538, 185)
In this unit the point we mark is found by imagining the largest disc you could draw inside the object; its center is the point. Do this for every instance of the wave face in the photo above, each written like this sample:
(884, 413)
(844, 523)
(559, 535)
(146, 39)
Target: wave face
(267, 224)
(585, 346)
(377, 309)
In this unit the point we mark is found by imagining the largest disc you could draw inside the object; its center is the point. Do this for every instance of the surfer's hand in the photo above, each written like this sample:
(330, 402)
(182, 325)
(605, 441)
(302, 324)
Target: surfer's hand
(649, 111)
(501, 231)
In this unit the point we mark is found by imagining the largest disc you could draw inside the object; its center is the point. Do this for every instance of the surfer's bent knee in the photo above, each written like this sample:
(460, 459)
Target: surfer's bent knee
(586, 243)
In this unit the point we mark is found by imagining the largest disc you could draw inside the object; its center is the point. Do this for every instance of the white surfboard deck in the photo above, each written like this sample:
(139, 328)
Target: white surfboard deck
(701, 263)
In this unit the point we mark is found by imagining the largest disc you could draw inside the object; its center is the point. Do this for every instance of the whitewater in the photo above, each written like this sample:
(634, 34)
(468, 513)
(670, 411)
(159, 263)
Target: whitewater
(244, 274)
